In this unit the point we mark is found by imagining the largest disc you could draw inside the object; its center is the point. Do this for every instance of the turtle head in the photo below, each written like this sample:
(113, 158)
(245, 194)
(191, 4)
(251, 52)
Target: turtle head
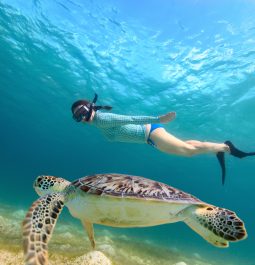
(48, 184)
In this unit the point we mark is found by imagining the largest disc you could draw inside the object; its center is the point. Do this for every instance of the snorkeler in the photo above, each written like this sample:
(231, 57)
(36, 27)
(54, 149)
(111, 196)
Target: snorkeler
(148, 129)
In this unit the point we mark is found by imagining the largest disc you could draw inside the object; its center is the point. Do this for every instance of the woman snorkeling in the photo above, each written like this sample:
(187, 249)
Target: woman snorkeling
(148, 129)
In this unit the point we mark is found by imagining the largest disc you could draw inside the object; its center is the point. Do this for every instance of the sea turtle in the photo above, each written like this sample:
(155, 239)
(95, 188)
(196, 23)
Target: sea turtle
(121, 201)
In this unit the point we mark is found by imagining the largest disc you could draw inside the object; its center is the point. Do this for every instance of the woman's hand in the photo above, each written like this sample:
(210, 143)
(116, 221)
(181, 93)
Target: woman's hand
(167, 117)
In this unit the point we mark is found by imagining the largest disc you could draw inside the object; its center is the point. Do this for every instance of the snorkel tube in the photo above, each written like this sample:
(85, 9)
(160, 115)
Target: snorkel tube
(91, 107)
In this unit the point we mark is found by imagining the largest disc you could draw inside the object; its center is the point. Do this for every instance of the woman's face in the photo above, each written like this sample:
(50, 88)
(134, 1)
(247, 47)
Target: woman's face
(91, 118)
(81, 113)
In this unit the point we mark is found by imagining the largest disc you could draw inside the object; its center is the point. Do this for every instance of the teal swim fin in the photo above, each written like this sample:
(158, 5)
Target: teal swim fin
(221, 159)
(236, 152)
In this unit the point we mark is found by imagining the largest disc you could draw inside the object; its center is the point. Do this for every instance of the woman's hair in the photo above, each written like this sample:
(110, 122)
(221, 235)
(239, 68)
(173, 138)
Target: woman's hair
(78, 103)
(88, 104)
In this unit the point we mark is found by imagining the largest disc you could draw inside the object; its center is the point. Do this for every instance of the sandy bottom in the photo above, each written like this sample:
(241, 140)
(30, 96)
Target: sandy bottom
(70, 246)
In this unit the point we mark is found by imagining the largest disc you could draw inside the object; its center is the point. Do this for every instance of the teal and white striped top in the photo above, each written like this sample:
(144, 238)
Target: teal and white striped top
(122, 128)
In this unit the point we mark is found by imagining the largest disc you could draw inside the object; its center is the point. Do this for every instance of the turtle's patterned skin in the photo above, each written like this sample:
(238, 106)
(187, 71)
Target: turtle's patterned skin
(121, 201)
(44, 213)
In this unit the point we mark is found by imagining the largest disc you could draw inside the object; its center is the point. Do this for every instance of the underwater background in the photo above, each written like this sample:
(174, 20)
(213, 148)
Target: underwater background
(145, 57)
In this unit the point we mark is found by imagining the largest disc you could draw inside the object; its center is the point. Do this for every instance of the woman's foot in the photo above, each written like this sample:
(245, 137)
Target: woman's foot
(221, 158)
(215, 148)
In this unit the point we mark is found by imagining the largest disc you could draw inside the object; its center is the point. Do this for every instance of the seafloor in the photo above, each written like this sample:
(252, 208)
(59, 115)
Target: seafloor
(70, 246)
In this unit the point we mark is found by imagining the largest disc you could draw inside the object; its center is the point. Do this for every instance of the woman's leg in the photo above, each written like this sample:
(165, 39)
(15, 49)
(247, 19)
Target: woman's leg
(168, 143)
(208, 147)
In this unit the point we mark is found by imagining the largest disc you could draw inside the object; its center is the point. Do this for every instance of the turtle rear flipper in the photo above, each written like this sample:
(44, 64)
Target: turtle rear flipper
(90, 231)
(38, 227)
(216, 225)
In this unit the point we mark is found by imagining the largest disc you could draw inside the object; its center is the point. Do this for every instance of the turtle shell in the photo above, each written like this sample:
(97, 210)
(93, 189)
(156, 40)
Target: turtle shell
(120, 185)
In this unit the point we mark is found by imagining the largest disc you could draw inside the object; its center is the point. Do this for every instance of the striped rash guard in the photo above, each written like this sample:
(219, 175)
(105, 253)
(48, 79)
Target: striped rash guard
(122, 128)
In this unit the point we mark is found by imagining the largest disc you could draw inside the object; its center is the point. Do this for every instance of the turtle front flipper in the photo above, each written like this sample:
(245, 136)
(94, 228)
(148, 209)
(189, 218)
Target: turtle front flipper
(38, 227)
(216, 225)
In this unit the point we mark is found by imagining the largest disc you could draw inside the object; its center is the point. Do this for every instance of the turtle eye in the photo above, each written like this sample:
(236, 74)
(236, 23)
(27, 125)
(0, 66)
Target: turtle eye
(39, 180)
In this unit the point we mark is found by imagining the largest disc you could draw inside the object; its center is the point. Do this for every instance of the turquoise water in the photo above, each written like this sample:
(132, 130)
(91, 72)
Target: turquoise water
(193, 57)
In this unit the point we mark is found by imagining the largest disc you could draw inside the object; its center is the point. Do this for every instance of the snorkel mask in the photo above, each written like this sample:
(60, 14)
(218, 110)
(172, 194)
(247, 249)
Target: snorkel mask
(84, 111)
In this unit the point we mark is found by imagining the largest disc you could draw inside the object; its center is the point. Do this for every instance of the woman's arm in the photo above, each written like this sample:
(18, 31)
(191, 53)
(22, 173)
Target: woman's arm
(113, 120)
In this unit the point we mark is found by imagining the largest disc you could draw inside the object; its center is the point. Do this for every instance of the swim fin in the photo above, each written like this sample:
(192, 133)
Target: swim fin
(221, 159)
(236, 152)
